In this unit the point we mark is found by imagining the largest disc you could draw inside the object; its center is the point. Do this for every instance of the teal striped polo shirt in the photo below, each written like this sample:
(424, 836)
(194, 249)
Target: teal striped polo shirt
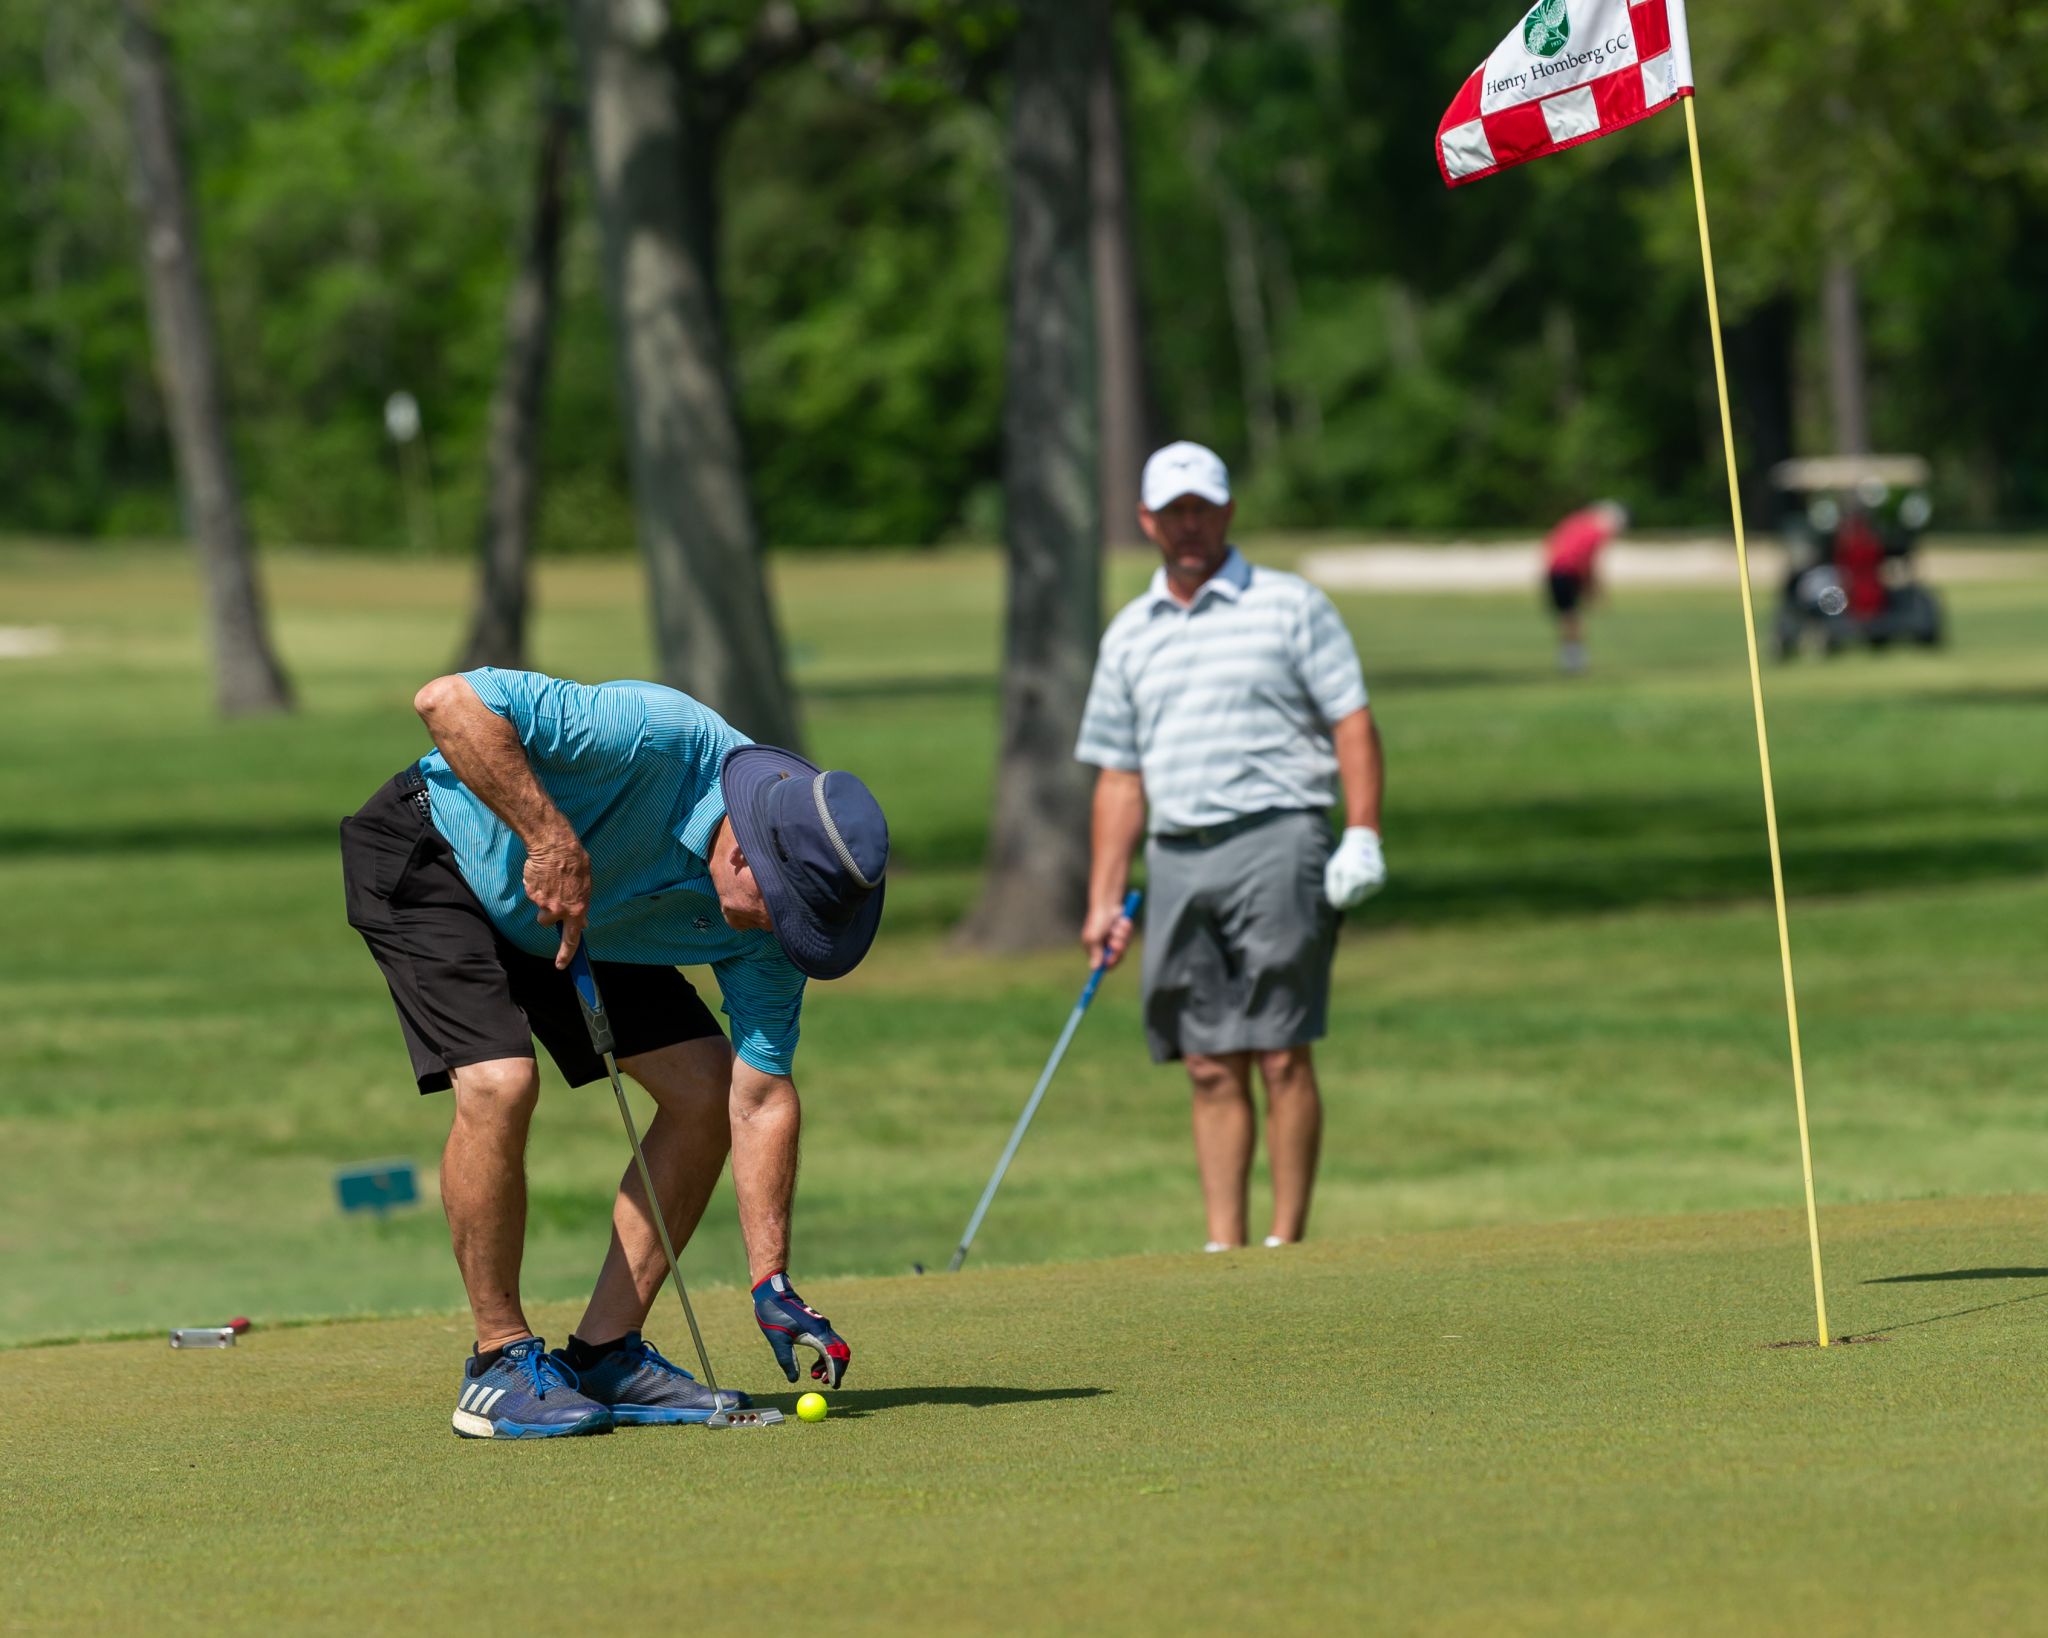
(634, 768)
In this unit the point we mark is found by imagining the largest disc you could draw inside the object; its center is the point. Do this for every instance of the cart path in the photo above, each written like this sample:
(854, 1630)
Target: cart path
(1702, 561)
(28, 642)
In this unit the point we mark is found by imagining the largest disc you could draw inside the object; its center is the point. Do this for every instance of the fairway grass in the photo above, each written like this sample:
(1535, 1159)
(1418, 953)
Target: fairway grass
(1566, 1003)
(1557, 1430)
(1505, 1389)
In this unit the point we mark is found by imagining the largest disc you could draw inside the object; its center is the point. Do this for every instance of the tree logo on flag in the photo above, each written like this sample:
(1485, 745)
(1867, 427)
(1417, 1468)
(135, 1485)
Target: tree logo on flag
(1547, 27)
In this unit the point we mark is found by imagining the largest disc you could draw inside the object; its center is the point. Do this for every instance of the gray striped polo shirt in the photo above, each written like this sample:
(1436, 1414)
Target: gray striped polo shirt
(1224, 706)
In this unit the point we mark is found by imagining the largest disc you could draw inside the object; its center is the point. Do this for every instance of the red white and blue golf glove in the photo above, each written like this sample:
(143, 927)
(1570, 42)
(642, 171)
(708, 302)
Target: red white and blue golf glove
(788, 1322)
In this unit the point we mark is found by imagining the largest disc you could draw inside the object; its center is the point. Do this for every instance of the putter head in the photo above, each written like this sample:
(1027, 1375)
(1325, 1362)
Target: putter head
(750, 1417)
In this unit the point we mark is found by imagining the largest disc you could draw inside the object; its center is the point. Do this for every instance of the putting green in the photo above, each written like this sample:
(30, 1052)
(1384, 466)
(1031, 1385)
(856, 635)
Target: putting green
(1546, 1430)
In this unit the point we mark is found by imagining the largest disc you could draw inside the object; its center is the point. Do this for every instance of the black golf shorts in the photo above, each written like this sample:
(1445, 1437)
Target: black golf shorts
(1566, 590)
(464, 994)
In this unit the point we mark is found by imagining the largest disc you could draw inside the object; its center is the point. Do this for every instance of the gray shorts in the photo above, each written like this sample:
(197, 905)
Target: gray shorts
(1238, 938)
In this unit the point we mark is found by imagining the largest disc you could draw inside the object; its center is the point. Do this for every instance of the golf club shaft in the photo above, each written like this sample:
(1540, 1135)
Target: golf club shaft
(654, 1211)
(599, 1027)
(1023, 1125)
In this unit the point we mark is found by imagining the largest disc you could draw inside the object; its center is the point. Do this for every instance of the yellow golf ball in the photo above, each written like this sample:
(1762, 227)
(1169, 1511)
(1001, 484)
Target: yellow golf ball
(811, 1408)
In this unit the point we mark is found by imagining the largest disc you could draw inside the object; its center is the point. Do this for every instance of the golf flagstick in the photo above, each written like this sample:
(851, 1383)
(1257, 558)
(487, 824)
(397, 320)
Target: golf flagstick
(1059, 1051)
(1763, 741)
(599, 1027)
(1513, 108)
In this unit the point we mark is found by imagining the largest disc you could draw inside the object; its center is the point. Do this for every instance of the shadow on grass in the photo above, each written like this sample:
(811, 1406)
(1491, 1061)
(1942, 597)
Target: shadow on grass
(858, 1402)
(2023, 695)
(1618, 852)
(1936, 1319)
(866, 690)
(1959, 1313)
(983, 684)
(1387, 683)
(1541, 857)
(169, 836)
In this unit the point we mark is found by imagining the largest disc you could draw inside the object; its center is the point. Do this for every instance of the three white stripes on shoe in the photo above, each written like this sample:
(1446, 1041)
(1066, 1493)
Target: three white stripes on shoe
(479, 1399)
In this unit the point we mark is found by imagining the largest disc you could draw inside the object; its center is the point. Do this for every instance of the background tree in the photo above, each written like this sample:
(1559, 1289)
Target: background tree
(653, 154)
(1436, 360)
(247, 675)
(1038, 842)
(1123, 386)
(662, 101)
(497, 634)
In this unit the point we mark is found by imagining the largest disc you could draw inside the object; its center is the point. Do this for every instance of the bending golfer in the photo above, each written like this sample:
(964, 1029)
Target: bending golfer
(1227, 709)
(634, 814)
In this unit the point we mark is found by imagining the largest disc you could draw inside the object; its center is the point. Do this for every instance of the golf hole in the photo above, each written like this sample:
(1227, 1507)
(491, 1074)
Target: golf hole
(1838, 1342)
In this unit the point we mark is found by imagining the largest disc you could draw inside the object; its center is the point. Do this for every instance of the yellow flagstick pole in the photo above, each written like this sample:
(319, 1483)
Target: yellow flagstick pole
(1763, 738)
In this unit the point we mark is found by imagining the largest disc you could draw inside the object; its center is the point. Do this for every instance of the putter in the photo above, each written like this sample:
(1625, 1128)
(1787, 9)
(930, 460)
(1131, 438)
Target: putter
(600, 1028)
(1037, 1093)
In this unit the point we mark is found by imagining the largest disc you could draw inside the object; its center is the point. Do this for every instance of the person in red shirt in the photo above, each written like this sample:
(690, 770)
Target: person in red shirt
(1569, 553)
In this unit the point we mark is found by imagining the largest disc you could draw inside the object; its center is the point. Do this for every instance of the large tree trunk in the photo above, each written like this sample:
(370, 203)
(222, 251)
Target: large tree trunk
(497, 636)
(1038, 847)
(247, 676)
(1842, 327)
(1123, 395)
(1242, 285)
(1248, 319)
(654, 167)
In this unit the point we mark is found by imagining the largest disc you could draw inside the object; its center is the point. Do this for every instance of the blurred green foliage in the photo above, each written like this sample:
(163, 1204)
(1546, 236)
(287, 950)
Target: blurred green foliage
(1439, 359)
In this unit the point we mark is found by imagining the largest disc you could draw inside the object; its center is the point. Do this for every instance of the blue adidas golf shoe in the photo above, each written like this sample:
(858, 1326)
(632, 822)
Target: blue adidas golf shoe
(642, 1389)
(527, 1393)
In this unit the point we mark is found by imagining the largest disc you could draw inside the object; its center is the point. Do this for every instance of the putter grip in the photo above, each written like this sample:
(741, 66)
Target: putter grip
(595, 1019)
(1132, 900)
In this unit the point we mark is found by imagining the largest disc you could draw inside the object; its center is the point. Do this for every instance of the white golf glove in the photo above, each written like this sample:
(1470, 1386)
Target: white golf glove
(1357, 869)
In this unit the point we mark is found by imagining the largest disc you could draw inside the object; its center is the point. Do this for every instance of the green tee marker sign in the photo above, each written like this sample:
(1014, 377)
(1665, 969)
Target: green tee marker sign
(377, 1186)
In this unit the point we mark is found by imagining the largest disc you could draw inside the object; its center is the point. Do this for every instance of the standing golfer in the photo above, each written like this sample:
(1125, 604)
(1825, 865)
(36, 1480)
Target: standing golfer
(1571, 552)
(1227, 709)
(631, 814)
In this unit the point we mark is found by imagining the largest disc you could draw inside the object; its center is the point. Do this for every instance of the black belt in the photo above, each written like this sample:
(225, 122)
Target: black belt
(1210, 835)
(412, 785)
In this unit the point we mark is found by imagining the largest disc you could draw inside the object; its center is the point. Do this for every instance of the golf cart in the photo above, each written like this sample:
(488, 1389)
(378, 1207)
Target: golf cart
(1851, 525)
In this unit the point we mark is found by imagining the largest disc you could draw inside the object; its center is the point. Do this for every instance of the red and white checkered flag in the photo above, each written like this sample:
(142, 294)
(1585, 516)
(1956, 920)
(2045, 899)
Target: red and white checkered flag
(1570, 71)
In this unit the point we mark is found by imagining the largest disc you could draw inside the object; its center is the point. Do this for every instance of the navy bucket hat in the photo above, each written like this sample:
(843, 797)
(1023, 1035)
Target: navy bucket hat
(818, 845)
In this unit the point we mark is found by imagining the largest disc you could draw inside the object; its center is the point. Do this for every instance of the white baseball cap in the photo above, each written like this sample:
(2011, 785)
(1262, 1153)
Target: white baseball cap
(1184, 469)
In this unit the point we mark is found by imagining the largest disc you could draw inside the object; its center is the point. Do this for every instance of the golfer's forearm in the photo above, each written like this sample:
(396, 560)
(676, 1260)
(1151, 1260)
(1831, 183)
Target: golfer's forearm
(767, 1122)
(484, 753)
(1117, 827)
(1361, 767)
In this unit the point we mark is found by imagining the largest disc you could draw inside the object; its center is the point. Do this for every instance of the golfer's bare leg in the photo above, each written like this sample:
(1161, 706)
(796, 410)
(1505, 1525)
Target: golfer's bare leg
(1294, 1136)
(483, 1190)
(686, 1145)
(1224, 1133)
